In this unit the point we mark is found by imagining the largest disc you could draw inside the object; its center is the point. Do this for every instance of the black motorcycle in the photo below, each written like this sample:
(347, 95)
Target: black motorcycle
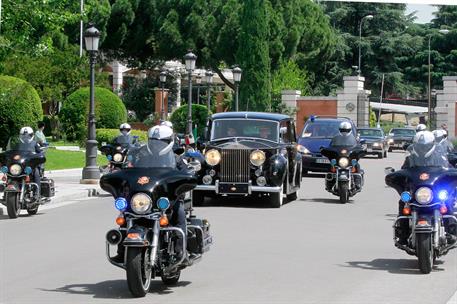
(427, 223)
(345, 178)
(20, 192)
(144, 193)
(116, 155)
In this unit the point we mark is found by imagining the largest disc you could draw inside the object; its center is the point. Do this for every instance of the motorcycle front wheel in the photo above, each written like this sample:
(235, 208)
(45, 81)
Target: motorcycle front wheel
(343, 191)
(138, 270)
(13, 205)
(424, 252)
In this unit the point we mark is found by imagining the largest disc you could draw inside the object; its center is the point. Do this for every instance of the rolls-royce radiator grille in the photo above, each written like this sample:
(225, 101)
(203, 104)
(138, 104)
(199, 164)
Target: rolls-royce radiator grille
(235, 165)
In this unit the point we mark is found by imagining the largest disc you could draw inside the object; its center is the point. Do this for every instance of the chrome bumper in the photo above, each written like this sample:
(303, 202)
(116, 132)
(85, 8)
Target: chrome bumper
(215, 188)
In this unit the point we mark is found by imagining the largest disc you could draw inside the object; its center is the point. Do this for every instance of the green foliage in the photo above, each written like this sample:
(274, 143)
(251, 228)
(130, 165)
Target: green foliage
(110, 112)
(108, 135)
(253, 57)
(58, 159)
(19, 106)
(289, 77)
(199, 118)
(373, 121)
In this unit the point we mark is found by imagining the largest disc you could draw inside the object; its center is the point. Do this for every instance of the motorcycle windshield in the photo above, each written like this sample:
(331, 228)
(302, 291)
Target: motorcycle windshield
(343, 141)
(123, 141)
(154, 154)
(434, 157)
(15, 143)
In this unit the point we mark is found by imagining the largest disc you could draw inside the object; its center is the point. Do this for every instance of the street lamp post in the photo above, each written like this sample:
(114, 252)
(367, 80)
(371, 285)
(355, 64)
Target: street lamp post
(190, 59)
(360, 42)
(198, 80)
(236, 78)
(163, 79)
(429, 88)
(91, 172)
(209, 81)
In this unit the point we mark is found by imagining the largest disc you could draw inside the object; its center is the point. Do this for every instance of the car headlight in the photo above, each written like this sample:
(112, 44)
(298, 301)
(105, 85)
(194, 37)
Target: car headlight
(15, 169)
(376, 144)
(302, 149)
(212, 157)
(390, 140)
(117, 157)
(141, 203)
(343, 162)
(424, 195)
(257, 157)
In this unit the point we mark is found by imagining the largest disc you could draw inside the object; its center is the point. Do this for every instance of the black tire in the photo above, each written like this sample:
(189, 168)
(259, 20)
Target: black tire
(292, 197)
(380, 155)
(171, 280)
(385, 154)
(198, 198)
(12, 204)
(424, 252)
(33, 210)
(277, 198)
(138, 277)
(343, 192)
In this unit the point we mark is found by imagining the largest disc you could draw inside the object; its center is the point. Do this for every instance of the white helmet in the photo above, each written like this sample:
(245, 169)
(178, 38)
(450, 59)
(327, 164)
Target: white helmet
(167, 123)
(424, 143)
(125, 128)
(160, 138)
(26, 134)
(345, 128)
(439, 135)
(421, 127)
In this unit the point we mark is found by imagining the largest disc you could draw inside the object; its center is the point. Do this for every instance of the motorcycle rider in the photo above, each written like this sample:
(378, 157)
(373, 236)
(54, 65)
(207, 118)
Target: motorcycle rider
(124, 139)
(442, 140)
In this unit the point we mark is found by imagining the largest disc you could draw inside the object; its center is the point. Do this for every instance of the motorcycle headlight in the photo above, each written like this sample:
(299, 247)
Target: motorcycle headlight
(343, 162)
(141, 203)
(257, 157)
(15, 169)
(212, 157)
(424, 195)
(117, 157)
(302, 149)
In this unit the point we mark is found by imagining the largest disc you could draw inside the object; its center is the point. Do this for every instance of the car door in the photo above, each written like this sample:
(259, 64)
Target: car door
(288, 140)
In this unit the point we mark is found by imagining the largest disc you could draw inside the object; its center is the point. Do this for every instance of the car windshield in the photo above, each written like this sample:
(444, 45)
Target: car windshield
(16, 144)
(435, 157)
(406, 132)
(322, 129)
(251, 128)
(154, 154)
(370, 132)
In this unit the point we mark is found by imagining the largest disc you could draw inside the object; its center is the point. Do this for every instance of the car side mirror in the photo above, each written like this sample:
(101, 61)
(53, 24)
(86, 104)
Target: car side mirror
(389, 170)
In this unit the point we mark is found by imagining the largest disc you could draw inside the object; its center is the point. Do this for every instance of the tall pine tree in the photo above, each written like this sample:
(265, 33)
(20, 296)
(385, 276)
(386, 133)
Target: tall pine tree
(253, 57)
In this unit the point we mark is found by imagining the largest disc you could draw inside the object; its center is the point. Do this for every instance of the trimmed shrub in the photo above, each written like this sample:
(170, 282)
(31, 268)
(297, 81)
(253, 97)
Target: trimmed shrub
(110, 112)
(20, 106)
(108, 135)
(199, 117)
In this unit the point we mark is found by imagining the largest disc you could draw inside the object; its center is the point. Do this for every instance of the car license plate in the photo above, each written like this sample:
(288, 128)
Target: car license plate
(323, 161)
(229, 188)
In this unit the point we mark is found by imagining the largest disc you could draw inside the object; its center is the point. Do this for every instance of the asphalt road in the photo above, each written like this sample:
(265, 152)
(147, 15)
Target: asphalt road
(312, 250)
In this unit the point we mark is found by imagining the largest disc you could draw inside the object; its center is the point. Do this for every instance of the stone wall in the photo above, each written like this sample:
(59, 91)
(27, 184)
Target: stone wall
(446, 111)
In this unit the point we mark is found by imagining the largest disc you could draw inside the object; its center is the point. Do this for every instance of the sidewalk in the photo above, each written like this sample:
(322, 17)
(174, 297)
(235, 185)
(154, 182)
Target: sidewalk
(68, 187)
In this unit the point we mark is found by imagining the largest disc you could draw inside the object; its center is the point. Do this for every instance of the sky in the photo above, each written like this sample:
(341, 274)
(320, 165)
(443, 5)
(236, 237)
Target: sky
(424, 12)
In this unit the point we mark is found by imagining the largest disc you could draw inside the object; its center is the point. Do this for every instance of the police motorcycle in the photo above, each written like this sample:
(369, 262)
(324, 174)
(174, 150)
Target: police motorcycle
(146, 194)
(345, 178)
(426, 226)
(116, 153)
(23, 183)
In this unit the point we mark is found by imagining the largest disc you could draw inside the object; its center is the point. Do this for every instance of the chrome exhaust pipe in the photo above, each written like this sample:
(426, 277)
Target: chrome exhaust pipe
(113, 237)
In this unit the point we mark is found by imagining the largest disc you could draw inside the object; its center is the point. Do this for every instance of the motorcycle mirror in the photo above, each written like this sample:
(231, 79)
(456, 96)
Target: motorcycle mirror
(389, 170)
(405, 146)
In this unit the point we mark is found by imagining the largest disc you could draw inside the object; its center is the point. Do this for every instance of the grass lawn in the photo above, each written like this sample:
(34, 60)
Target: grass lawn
(57, 159)
(61, 142)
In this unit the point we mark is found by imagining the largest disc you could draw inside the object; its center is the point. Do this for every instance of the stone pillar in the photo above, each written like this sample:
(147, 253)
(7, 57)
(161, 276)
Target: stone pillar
(353, 100)
(445, 109)
(158, 101)
(117, 77)
(178, 89)
(289, 98)
(220, 102)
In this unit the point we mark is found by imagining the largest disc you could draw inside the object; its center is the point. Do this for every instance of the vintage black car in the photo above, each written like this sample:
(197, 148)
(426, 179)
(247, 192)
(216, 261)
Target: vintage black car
(250, 154)
(375, 141)
(399, 137)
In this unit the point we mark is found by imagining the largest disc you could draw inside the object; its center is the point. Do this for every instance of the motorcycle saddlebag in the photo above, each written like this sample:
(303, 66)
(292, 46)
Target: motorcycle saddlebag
(47, 187)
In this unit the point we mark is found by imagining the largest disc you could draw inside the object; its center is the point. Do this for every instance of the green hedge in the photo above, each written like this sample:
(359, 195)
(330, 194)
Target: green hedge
(199, 117)
(108, 135)
(20, 106)
(110, 112)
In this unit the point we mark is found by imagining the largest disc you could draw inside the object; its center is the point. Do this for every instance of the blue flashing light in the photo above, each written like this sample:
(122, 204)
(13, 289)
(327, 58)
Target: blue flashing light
(28, 170)
(120, 203)
(130, 158)
(193, 154)
(442, 195)
(109, 157)
(312, 118)
(4, 169)
(163, 203)
(333, 162)
(405, 197)
(354, 162)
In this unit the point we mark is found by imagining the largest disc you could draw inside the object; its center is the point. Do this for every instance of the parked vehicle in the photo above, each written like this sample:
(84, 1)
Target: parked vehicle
(145, 193)
(18, 165)
(345, 178)
(428, 192)
(375, 141)
(399, 138)
(250, 154)
(317, 133)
